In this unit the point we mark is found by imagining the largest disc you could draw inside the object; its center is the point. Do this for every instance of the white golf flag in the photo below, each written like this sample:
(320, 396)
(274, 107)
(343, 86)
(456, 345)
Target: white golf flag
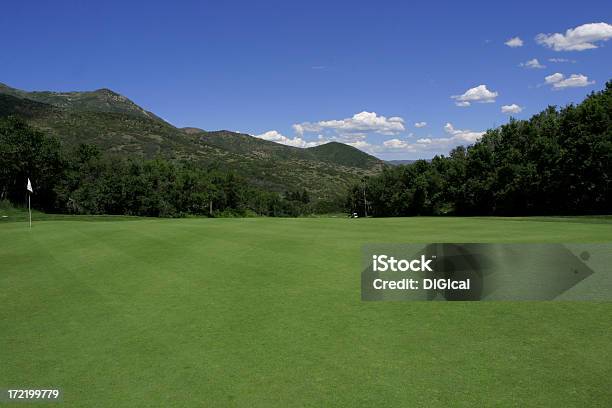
(29, 187)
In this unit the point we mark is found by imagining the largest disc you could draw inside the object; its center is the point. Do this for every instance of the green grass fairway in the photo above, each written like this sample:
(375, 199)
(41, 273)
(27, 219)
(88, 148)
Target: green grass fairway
(267, 312)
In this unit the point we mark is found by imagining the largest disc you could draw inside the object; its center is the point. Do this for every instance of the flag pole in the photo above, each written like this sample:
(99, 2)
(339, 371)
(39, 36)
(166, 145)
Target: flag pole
(30, 191)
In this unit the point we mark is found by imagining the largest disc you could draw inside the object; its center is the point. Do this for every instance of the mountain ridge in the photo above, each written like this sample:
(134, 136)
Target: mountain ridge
(99, 100)
(118, 126)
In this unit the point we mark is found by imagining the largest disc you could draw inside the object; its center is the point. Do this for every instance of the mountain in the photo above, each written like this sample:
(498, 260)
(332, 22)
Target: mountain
(120, 127)
(101, 100)
(332, 152)
(342, 154)
(400, 162)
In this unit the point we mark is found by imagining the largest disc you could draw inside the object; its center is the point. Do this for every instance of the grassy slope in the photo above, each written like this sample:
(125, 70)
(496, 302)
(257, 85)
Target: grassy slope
(118, 126)
(100, 100)
(260, 312)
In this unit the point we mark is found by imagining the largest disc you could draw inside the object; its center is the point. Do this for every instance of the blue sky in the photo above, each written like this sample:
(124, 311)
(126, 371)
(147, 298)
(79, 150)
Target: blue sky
(358, 72)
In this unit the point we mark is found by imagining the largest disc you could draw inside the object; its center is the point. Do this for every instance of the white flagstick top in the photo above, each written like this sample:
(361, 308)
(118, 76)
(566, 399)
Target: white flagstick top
(31, 190)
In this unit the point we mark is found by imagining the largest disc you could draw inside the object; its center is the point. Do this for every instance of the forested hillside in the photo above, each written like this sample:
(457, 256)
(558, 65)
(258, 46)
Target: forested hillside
(557, 162)
(82, 180)
(120, 128)
(127, 161)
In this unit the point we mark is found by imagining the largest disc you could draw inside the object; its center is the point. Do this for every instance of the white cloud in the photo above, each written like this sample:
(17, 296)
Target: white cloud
(298, 129)
(533, 63)
(559, 81)
(579, 38)
(478, 94)
(420, 124)
(397, 144)
(462, 135)
(356, 130)
(551, 79)
(561, 60)
(514, 108)
(514, 42)
(274, 136)
(360, 122)
(431, 144)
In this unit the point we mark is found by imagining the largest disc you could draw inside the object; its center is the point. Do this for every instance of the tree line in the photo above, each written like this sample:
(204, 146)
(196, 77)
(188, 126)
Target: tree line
(84, 181)
(559, 162)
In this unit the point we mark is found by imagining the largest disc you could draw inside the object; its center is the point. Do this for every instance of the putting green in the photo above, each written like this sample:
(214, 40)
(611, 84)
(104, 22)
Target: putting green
(267, 312)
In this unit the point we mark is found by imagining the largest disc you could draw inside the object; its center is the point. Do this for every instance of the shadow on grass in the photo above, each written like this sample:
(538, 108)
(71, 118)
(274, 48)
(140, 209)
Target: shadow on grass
(10, 214)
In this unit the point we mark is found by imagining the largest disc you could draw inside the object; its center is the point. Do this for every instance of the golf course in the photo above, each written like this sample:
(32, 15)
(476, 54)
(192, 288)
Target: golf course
(146, 312)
